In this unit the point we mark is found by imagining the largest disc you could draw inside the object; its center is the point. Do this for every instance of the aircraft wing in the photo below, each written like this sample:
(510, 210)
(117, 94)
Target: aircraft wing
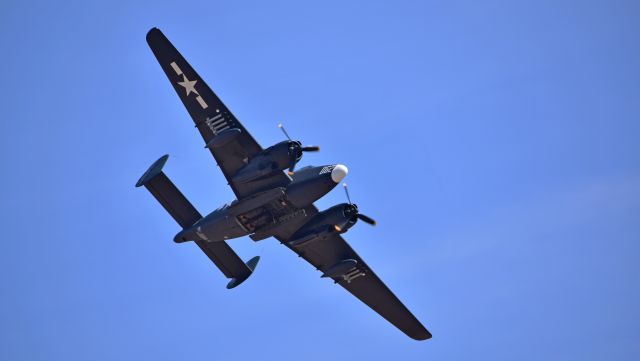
(211, 117)
(369, 288)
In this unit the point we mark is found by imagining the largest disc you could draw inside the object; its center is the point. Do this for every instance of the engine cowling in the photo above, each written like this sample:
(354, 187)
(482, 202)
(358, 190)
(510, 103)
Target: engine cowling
(273, 159)
(337, 219)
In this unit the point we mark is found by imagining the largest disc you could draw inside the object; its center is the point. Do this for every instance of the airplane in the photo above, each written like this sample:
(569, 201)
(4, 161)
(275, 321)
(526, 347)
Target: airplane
(270, 202)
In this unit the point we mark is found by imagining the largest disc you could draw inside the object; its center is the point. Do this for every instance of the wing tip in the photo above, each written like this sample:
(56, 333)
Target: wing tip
(422, 335)
(152, 33)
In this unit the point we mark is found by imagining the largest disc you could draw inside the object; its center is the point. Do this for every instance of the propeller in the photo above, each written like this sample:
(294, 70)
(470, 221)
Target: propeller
(296, 149)
(357, 214)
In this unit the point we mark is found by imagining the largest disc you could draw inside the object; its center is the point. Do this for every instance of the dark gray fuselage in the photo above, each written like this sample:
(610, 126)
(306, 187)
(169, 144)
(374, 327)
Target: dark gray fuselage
(265, 210)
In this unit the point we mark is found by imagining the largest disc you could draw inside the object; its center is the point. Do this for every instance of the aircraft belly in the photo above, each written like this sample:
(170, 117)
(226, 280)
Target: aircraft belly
(220, 228)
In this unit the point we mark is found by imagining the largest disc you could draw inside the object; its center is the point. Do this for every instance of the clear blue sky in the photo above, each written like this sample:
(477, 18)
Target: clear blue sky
(496, 143)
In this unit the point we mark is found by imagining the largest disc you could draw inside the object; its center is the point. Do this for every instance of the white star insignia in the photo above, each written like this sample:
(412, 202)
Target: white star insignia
(189, 85)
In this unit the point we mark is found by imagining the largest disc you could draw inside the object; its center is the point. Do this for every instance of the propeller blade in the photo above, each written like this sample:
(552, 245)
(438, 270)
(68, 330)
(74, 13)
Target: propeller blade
(346, 190)
(284, 131)
(294, 150)
(366, 219)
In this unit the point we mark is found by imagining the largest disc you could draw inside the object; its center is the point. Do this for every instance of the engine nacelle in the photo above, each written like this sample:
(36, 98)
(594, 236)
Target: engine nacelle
(273, 159)
(337, 219)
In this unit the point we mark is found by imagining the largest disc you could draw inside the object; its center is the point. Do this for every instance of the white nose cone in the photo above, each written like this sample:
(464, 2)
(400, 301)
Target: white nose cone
(339, 172)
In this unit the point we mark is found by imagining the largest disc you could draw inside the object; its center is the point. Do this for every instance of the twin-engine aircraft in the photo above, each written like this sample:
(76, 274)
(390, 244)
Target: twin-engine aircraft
(270, 202)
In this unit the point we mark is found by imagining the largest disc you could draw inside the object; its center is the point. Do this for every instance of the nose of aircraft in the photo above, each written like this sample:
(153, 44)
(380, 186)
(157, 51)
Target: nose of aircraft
(339, 172)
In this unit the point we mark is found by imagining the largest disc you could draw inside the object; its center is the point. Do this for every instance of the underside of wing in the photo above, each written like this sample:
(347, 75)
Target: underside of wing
(336, 259)
(374, 293)
(211, 117)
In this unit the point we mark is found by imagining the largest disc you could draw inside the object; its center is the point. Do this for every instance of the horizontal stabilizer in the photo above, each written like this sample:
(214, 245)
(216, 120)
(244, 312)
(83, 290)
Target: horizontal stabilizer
(168, 194)
(252, 264)
(186, 215)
